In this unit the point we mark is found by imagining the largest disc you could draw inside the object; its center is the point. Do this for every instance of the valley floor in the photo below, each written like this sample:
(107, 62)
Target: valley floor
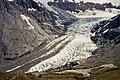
(98, 73)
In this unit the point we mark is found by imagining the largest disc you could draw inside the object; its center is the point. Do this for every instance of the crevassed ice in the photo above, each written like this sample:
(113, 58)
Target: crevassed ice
(79, 48)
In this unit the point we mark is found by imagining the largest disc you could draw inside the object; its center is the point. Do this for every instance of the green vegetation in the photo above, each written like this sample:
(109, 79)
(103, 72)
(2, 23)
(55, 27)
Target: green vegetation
(44, 76)
(105, 73)
(61, 76)
(17, 76)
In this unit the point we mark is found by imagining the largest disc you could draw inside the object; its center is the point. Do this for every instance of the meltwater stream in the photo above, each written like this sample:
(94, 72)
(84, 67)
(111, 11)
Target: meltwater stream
(79, 48)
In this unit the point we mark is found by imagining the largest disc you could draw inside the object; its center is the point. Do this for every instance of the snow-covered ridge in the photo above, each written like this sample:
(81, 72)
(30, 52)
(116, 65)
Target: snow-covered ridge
(95, 13)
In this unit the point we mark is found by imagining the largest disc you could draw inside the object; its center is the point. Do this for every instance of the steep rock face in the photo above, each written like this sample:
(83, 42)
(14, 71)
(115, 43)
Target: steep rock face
(107, 31)
(66, 17)
(24, 25)
(106, 35)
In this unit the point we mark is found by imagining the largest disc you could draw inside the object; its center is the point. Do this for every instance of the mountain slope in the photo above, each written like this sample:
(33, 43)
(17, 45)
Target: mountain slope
(24, 25)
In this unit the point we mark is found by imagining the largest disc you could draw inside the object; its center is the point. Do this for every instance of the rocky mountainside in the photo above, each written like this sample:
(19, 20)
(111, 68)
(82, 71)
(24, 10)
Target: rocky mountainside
(106, 35)
(118, 7)
(24, 25)
(81, 6)
(107, 31)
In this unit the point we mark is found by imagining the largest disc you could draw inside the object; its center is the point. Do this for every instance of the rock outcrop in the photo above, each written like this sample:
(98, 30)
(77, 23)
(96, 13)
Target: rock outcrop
(107, 31)
(106, 35)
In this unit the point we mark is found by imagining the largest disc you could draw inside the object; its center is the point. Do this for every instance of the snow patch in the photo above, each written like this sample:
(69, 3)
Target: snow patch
(106, 31)
(31, 9)
(27, 20)
(108, 66)
(93, 34)
(10, 0)
(85, 72)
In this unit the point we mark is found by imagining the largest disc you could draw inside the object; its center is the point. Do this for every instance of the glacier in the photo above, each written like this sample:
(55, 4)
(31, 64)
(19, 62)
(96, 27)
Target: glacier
(79, 48)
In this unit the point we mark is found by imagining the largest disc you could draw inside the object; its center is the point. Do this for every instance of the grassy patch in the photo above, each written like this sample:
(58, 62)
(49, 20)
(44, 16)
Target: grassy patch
(96, 69)
(17, 76)
(106, 74)
(96, 74)
(61, 76)
(45, 76)
(117, 63)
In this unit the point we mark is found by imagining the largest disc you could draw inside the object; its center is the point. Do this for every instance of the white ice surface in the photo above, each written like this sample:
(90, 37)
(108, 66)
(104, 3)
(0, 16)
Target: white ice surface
(79, 48)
